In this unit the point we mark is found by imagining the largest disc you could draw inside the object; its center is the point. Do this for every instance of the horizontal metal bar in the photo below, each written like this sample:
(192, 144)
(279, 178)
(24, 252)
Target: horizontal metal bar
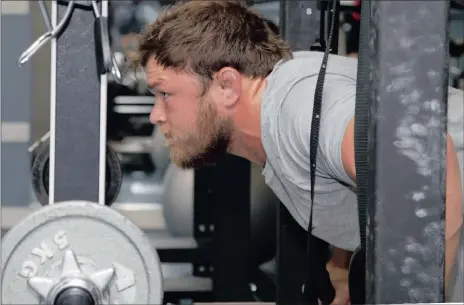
(132, 109)
(237, 303)
(191, 252)
(133, 145)
(146, 218)
(162, 239)
(187, 283)
(134, 100)
(15, 7)
(347, 3)
(15, 132)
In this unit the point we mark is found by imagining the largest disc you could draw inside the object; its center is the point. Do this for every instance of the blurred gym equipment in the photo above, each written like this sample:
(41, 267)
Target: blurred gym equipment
(178, 210)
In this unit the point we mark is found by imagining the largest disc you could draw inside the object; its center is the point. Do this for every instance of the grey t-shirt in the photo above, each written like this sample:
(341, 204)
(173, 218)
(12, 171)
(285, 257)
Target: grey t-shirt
(285, 128)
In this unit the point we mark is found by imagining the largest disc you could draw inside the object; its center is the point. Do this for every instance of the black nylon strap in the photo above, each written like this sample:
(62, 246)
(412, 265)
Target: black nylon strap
(357, 277)
(362, 121)
(318, 284)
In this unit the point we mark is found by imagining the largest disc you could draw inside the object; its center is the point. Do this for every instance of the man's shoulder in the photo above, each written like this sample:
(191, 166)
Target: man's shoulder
(287, 74)
(311, 61)
(304, 61)
(305, 66)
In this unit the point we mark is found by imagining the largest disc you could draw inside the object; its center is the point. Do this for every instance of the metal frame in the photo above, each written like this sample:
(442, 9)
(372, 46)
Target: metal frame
(299, 23)
(406, 211)
(146, 219)
(220, 252)
(203, 220)
(291, 259)
(231, 244)
(327, 15)
(78, 110)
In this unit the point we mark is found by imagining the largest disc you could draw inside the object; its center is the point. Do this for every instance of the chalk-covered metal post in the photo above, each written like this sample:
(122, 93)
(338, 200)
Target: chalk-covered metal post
(406, 217)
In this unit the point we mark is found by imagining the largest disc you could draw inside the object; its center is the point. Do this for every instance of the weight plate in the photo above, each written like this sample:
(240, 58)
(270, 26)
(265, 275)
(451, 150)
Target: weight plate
(113, 176)
(40, 174)
(100, 238)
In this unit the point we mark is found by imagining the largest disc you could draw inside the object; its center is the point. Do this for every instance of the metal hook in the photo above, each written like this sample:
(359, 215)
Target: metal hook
(115, 71)
(111, 67)
(96, 11)
(46, 17)
(36, 45)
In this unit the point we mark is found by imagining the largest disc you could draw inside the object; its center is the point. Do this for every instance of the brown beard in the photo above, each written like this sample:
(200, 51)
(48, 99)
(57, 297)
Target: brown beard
(208, 143)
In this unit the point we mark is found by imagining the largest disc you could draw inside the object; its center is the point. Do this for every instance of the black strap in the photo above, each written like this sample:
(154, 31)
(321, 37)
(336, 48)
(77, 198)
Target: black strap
(357, 278)
(318, 284)
(362, 121)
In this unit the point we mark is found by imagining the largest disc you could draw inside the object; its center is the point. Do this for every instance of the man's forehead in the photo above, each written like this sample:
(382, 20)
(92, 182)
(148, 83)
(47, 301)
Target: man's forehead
(157, 74)
(154, 67)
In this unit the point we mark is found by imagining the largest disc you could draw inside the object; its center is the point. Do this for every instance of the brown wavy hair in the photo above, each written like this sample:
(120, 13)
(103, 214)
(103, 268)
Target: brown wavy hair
(203, 36)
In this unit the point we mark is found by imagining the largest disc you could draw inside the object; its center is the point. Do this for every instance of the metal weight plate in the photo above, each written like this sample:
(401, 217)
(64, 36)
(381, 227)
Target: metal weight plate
(79, 242)
(40, 174)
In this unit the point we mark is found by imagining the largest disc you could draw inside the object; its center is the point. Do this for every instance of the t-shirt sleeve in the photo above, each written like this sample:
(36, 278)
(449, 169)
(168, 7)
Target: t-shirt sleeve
(337, 110)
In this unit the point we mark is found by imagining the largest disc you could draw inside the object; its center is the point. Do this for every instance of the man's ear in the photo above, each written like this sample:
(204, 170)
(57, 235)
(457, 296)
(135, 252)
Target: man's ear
(229, 82)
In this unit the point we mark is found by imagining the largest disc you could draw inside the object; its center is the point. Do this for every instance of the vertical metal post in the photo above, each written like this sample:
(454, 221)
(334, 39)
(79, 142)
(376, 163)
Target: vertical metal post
(299, 23)
(17, 100)
(203, 221)
(231, 254)
(406, 217)
(291, 259)
(76, 98)
(327, 14)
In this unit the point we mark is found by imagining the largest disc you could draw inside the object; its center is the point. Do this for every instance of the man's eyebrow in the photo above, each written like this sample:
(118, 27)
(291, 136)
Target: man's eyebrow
(153, 86)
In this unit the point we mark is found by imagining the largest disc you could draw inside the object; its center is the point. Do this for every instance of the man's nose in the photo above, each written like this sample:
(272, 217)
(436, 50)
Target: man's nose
(157, 114)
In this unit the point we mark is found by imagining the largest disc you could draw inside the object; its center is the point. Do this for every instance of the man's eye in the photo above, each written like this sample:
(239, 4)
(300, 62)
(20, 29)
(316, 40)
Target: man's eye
(164, 95)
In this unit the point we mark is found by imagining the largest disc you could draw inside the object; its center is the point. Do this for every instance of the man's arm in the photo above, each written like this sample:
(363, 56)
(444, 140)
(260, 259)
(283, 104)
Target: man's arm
(453, 194)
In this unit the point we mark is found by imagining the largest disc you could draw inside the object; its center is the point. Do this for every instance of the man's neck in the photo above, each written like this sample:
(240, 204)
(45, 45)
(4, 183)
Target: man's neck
(246, 139)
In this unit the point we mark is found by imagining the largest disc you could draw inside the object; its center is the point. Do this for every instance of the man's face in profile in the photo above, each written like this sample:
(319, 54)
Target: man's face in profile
(187, 115)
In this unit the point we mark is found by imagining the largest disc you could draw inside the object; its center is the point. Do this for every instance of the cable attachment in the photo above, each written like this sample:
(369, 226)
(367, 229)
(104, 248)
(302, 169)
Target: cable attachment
(52, 32)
